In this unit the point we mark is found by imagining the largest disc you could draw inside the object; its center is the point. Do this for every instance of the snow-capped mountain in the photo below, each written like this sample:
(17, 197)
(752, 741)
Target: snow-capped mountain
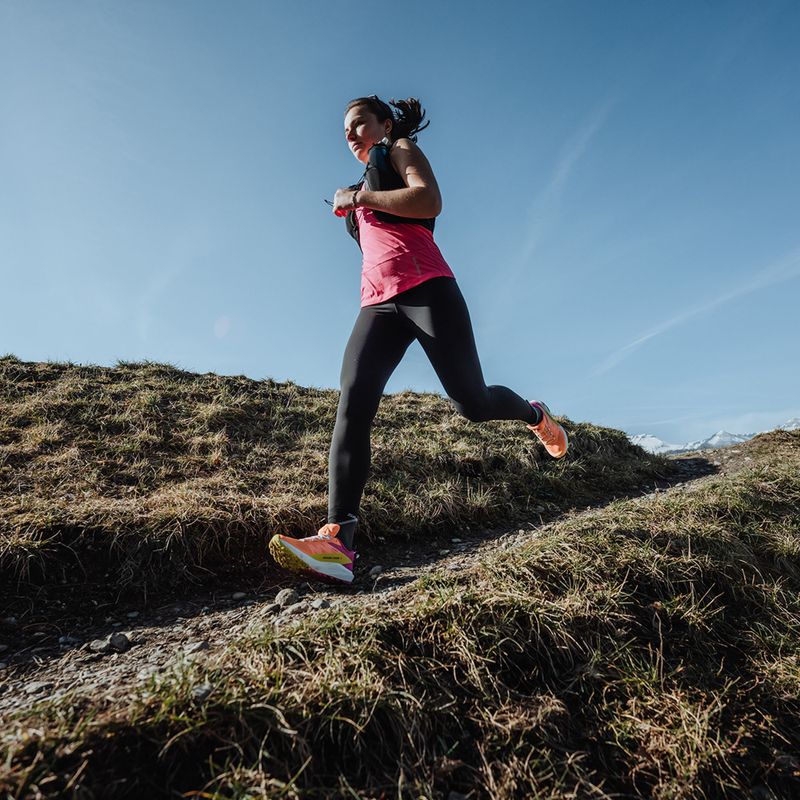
(653, 444)
(720, 439)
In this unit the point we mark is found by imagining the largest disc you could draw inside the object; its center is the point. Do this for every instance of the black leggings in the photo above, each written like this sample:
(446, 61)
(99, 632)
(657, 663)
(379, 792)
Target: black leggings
(434, 313)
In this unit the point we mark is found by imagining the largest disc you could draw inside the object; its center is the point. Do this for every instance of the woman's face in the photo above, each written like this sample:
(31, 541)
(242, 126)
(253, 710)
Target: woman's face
(362, 130)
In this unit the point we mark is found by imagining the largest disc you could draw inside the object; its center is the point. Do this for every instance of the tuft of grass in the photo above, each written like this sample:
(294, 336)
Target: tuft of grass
(648, 648)
(152, 477)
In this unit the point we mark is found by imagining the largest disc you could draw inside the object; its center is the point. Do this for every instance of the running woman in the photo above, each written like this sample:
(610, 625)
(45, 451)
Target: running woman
(408, 292)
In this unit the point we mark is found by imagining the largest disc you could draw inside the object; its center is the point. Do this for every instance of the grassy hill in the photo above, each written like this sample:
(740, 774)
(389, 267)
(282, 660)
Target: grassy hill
(645, 647)
(153, 477)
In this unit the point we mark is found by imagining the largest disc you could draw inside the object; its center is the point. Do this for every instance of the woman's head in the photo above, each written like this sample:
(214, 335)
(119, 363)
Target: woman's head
(368, 120)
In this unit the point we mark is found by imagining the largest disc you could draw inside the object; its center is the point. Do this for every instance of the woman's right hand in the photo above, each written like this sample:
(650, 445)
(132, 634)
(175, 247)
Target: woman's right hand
(343, 201)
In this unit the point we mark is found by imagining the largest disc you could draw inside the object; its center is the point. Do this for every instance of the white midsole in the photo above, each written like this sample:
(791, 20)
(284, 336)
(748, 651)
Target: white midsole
(330, 568)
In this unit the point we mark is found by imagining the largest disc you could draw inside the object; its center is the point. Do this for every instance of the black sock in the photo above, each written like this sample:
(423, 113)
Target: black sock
(347, 529)
(536, 414)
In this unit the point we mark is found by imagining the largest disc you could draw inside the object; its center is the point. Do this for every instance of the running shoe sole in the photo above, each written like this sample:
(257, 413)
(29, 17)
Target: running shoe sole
(292, 559)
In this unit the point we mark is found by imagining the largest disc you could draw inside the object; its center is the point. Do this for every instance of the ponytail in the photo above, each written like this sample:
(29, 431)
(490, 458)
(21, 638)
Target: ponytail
(405, 123)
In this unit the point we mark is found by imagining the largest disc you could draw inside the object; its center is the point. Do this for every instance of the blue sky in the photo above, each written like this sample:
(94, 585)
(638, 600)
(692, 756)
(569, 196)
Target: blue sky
(620, 184)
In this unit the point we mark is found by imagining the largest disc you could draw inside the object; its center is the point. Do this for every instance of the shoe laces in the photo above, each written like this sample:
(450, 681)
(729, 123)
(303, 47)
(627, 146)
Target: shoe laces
(547, 427)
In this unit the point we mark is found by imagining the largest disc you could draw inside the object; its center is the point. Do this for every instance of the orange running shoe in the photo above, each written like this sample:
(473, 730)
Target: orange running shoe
(323, 556)
(551, 434)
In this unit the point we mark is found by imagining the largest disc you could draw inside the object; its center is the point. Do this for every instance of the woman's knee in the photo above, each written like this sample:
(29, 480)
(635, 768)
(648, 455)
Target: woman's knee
(358, 400)
(475, 410)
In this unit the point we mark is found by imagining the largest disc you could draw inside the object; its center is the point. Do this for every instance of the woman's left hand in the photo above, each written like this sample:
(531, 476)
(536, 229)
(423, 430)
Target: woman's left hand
(343, 201)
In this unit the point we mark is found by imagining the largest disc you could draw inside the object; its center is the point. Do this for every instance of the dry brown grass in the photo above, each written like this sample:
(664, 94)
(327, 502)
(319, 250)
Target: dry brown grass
(148, 476)
(645, 649)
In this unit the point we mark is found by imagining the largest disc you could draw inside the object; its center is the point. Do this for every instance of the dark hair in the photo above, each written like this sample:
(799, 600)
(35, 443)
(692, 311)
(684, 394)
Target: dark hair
(405, 123)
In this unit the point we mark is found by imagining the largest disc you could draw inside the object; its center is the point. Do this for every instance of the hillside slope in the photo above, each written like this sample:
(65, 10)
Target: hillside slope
(647, 646)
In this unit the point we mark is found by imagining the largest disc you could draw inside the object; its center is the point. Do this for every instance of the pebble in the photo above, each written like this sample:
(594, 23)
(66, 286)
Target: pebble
(3, 665)
(132, 614)
(375, 571)
(286, 597)
(196, 647)
(272, 608)
(201, 691)
(68, 640)
(320, 602)
(539, 509)
(119, 642)
(443, 552)
(100, 646)
(238, 595)
(146, 672)
(456, 540)
(295, 608)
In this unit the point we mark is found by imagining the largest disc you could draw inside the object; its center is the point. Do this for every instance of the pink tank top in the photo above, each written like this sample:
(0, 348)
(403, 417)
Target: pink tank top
(397, 256)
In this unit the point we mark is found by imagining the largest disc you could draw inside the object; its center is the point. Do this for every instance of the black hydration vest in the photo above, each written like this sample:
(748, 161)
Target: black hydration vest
(381, 176)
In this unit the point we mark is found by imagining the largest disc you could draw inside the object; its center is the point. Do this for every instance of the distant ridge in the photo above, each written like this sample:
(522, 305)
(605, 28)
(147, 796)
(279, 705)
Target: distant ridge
(723, 438)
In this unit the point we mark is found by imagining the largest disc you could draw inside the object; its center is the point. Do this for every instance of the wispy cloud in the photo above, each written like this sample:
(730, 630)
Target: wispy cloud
(785, 269)
(544, 210)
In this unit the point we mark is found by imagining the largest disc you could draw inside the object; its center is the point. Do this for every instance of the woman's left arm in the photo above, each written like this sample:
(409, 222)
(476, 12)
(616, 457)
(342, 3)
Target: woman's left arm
(420, 199)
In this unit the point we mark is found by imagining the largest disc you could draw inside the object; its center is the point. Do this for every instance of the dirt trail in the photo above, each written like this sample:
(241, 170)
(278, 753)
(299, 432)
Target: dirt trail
(49, 656)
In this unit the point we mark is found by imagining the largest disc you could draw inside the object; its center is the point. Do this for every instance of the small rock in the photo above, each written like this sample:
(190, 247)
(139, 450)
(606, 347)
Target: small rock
(100, 646)
(521, 530)
(452, 567)
(34, 687)
(147, 672)
(320, 602)
(539, 509)
(375, 571)
(295, 608)
(132, 614)
(238, 595)
(196, 647)
(3, 665)
(443, 552)
(119, 642)
(202, 691)
(286, 597)
(68, 640)
(116, 624)
(3, 648)
(456, 540)
(272, 608)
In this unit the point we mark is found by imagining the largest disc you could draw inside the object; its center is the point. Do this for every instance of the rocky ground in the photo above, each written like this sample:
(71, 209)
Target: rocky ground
(109, 654)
